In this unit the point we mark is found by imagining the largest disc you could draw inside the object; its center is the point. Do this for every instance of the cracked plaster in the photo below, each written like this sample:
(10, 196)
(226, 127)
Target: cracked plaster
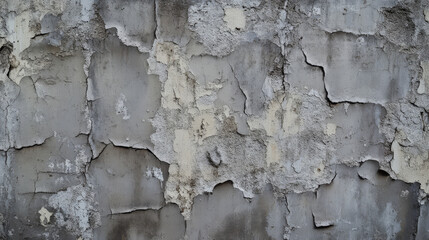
(192, 119)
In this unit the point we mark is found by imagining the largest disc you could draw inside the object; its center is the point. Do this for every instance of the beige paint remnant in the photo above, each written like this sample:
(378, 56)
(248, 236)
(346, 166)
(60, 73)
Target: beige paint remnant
(184, 146)
(270, 123)
(273, 153)
(204, 126)
(330, 129)
(166, 52)
(20, 35)
(410, 166)
(45, 216)
(424, 82)
(203, 91)
(291, 119)
(235, 18)
(178, 89)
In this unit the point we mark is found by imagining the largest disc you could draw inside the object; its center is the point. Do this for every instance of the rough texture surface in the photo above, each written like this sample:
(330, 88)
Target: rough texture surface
(214, 119)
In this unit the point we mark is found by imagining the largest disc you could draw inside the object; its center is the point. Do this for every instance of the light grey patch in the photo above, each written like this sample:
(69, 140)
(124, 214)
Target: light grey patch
(234, 217)
(125, 171)
(166, 223)
(264, 20)
(125, 96)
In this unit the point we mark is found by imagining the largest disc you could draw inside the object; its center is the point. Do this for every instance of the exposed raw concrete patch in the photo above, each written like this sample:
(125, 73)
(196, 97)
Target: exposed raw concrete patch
(76, 211)
(410, 164)
(398, 26)
(263, 20)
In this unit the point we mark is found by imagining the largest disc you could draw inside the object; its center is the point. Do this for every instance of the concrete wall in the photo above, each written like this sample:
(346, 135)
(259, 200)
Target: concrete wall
(214, 119)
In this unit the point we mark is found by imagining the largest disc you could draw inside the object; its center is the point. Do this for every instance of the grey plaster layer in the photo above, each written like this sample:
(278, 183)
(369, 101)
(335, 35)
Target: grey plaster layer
(358, 68)
(45, 98)
(173, 21)
(127, 180)
(358, 133)
(166, 224)
(123, 16)
(360, 203)
(358, 17)
(36, 175)
(234, 217)
(423, 227)
(189, 119)
(124, 96)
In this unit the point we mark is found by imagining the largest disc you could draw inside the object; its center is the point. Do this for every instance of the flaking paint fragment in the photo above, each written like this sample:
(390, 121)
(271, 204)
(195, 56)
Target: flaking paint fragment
(45, 216)
(126, 118)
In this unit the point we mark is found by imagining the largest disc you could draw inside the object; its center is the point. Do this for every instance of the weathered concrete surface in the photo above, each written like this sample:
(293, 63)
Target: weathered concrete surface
(214, 119)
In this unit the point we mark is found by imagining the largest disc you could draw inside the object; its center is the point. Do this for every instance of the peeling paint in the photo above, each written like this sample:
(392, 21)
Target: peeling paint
(45, 216)
(215, 119)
